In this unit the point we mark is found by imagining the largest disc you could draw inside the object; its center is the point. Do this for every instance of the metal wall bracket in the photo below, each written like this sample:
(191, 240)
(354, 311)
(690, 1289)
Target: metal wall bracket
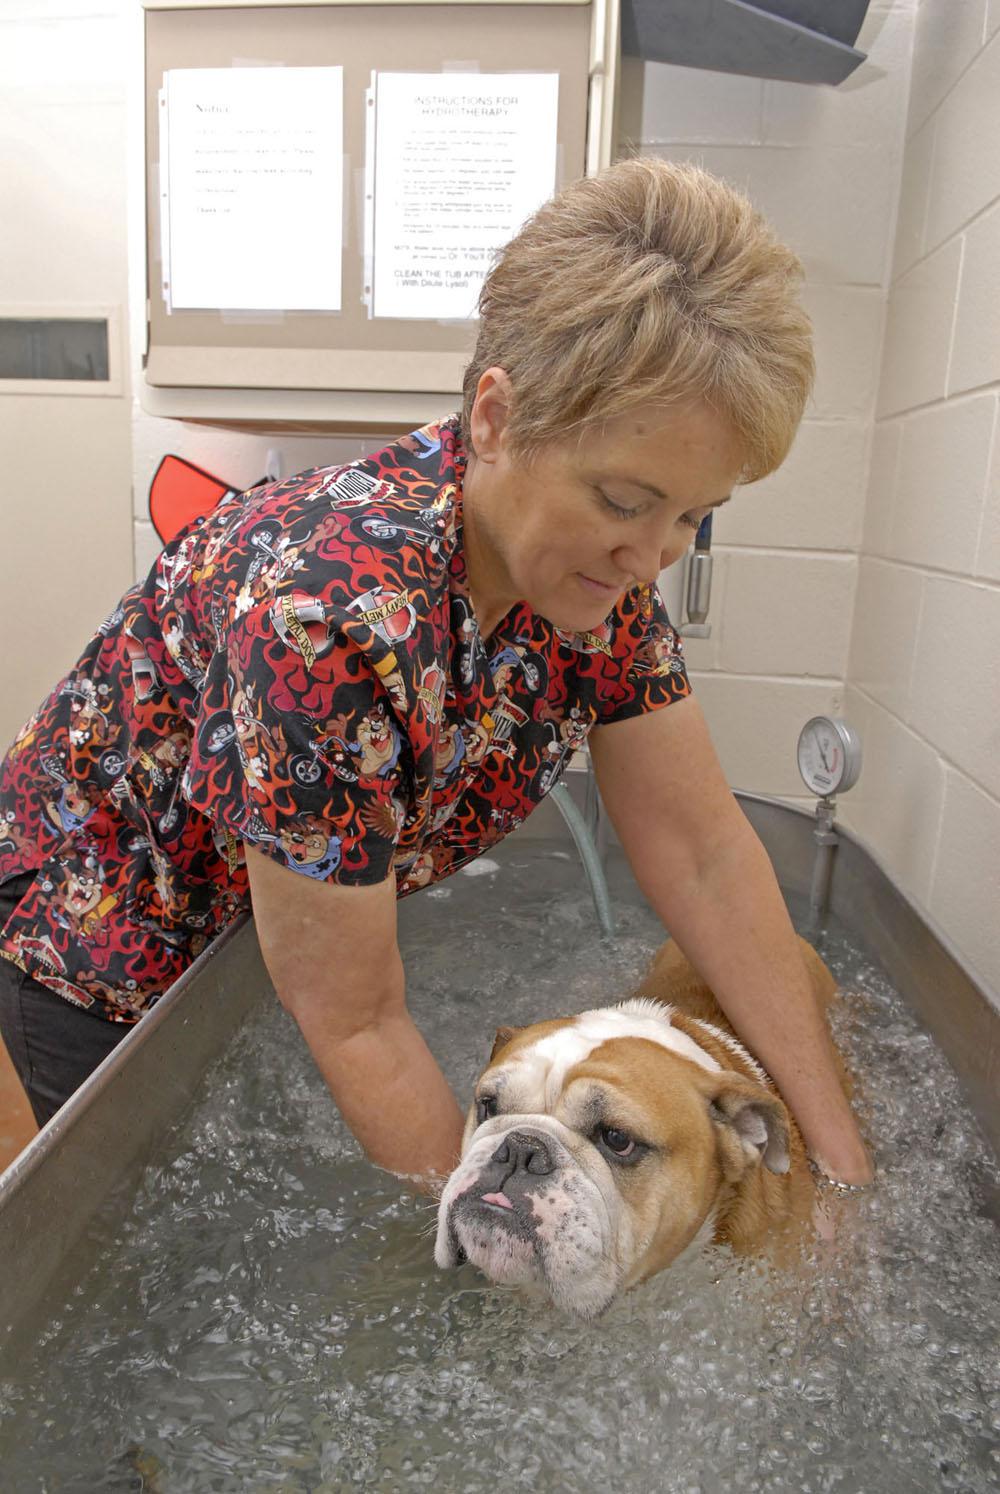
(799, 41)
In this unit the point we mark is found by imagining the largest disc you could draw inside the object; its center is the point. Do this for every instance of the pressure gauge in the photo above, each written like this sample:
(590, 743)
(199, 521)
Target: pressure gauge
(829, 755)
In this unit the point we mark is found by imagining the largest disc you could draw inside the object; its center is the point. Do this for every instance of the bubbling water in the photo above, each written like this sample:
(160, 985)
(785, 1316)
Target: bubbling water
(268, 1315)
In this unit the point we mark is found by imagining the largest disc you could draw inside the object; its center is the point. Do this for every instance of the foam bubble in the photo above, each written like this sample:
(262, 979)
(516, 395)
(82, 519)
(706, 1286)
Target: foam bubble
(268, 1314)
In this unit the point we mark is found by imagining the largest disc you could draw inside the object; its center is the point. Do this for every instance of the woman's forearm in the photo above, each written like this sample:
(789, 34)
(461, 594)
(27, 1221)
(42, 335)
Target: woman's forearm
(731, 922)
(392, 1095)
(333, 956)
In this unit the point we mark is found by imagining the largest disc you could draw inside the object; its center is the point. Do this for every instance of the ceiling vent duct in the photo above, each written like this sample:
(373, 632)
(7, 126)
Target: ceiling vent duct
(798, 41)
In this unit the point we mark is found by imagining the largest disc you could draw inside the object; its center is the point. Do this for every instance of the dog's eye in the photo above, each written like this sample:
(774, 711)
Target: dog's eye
(617, 1141)
(485, 1108)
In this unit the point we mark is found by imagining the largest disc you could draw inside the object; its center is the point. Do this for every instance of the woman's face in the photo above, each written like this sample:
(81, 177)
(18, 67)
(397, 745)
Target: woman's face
(585, 520)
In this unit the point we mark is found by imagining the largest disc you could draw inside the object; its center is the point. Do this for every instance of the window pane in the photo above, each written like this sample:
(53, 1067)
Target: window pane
(36, 349)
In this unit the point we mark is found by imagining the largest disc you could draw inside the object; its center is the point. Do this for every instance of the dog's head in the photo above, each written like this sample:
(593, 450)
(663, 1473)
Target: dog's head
(597, 1149)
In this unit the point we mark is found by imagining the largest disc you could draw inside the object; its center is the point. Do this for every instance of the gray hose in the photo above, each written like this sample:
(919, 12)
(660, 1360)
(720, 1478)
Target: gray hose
(588, 855)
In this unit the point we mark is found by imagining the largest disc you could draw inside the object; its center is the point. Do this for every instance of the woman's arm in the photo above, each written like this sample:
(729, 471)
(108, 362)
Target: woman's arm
(708, 877)
(332, 955)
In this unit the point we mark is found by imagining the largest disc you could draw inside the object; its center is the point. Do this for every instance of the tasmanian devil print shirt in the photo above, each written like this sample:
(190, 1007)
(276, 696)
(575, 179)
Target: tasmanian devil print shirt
(302, 671)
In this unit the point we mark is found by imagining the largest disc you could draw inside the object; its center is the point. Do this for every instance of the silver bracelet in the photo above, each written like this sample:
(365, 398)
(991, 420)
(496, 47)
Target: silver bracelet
(827, 1182)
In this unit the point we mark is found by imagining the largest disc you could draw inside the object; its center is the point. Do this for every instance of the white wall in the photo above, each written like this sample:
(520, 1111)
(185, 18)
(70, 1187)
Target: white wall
(238, 459)
(65, 499)
(923, 679)
(886, 515)
(823, 165)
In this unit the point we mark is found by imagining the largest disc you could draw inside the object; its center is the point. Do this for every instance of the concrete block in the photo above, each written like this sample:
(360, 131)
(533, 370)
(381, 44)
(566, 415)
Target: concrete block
(702, 654)
(965, 177)
(918, 332)
(814, 501)
(940, 490)
(847, 322)
(883, 636)
(955, 697)
(869, 105)
(755, 726)
(833, 206)
(787, 614)
(988, 553)
(886, 441)
(663, 104)
(965, 893)
(914, 195)
(949, 34)
(975, 357)
(895, 806)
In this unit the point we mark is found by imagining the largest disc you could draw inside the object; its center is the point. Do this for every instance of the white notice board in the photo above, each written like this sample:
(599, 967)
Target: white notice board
(460, 161)
(251, 182)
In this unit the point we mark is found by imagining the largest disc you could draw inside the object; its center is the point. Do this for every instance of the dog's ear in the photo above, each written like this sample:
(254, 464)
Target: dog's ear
(503, 1037)
(751, 1125)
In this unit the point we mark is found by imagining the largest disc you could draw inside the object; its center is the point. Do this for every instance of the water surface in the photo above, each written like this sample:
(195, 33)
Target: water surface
(267, 1315)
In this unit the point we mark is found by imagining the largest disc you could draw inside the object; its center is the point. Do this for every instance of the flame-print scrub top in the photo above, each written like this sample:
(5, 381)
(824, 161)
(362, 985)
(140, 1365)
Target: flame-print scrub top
(301, 671)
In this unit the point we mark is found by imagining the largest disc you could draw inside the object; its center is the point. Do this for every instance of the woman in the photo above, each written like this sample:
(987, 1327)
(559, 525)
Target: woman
(341, 687)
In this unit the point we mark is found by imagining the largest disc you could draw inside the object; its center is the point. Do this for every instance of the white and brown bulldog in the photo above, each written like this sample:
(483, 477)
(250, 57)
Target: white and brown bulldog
(601, 1147)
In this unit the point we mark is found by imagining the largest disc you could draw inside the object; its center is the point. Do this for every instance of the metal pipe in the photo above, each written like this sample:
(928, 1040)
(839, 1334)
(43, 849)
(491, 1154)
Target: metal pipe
(699, 577)
(577, 826)
(827, 840)
(698, 584)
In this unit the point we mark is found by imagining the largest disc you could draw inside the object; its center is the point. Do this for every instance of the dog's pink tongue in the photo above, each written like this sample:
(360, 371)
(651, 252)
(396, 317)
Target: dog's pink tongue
(500, 1199)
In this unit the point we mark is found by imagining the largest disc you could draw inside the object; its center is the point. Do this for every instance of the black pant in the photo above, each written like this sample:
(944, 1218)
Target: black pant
(53, 1044)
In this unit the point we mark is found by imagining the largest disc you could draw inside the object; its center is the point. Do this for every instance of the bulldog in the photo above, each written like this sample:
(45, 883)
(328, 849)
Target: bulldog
(600, 1148)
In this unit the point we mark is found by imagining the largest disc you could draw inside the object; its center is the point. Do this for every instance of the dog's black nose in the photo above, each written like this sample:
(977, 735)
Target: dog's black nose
(523, 1152)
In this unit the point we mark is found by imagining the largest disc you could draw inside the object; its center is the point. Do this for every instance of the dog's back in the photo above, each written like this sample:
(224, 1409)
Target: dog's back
(672, 978)
(767, 1208)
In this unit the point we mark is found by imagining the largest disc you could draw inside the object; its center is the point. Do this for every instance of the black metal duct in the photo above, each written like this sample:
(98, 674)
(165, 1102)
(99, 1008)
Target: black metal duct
(799, 41)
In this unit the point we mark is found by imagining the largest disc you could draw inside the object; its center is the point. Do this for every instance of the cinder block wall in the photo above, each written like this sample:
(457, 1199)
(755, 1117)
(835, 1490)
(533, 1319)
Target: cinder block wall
(824, 166)
(923, 675)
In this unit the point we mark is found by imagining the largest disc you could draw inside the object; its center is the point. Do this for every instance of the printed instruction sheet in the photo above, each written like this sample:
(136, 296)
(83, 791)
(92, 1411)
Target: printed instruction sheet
(251, 184)
(460, 161)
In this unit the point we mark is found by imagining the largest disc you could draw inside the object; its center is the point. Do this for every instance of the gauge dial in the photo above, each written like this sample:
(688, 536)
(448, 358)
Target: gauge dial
(829, 755)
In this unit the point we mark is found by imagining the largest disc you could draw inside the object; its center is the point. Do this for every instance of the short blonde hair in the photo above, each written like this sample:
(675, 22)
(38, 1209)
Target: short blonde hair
(650, 281)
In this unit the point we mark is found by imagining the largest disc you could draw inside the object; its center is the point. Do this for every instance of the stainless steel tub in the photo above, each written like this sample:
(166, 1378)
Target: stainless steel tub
(53, 1190)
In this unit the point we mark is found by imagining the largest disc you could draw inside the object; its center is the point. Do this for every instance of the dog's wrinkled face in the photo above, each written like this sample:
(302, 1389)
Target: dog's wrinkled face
(594, 1154)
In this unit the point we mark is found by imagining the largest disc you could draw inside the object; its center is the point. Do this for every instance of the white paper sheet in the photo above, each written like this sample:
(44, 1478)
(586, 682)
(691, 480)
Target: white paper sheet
(461, 160)
(254, 188)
